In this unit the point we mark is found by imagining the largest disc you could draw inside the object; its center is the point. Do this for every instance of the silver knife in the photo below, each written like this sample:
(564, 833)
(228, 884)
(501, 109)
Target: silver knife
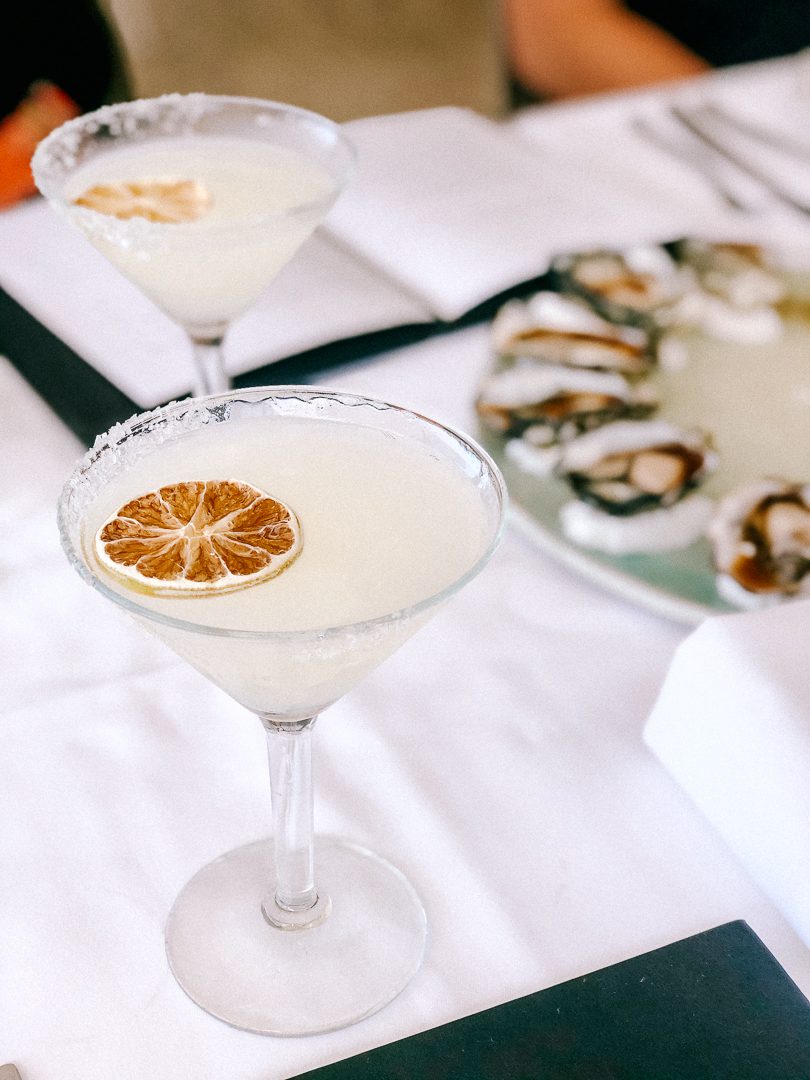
(739, 161)
(779, 140)
(697, 158)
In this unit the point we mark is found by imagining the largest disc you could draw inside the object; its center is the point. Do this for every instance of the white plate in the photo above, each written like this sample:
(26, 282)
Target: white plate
(755, 401)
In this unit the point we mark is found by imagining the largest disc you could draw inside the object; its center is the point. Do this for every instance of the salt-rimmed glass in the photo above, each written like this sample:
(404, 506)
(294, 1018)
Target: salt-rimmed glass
(295, 936)
(206, 273)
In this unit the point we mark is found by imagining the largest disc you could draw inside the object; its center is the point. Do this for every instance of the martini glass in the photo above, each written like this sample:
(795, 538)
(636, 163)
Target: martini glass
(270, 173)
(398, 512)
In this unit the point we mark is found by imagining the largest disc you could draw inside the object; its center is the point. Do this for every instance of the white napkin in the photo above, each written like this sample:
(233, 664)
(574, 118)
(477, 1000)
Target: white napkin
(732, 725)
(663, 194)
(458, 208)
(323, 295)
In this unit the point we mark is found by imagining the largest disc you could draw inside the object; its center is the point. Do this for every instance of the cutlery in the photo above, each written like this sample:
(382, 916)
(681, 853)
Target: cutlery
(695, 157)
(768, 136)
(740, 161)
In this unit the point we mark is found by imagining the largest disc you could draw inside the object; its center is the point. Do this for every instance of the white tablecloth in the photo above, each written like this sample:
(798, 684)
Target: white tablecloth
(447, 210)
(497, 759)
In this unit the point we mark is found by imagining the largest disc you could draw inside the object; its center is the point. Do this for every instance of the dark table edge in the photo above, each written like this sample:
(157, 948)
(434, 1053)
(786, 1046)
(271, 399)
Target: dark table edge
(88, 403)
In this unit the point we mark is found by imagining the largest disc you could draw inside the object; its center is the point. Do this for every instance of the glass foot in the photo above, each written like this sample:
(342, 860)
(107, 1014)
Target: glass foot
(234, 964)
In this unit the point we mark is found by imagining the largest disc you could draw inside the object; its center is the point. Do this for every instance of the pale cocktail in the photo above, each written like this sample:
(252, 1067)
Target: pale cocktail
(211, 266)
(199, 200)
(350, 521)
(384, 525)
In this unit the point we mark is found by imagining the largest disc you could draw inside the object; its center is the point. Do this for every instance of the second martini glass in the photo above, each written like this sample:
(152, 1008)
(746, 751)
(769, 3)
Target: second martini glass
(198, 199)
(396, 512)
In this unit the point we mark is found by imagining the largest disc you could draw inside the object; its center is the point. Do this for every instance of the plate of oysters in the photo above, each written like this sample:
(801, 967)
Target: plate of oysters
(650, 411)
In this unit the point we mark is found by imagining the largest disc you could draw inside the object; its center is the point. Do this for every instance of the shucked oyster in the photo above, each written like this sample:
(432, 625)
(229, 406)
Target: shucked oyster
(761, 540)
(565, 330)
(736, 295)
(633, 466)
(634, 287)
(551, 403)
(740, 274)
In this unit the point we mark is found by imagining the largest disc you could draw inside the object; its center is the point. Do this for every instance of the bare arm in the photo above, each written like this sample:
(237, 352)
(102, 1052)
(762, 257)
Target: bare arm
(566, 48)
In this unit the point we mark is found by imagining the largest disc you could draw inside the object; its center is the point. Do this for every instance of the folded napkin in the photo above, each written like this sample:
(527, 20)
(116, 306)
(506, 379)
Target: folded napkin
(667, 180)
(732, 725)
(323, 295)
(457, 208)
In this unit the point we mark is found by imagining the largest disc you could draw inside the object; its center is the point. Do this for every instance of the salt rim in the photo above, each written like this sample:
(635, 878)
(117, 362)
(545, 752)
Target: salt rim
(115, 446)
(170, 114)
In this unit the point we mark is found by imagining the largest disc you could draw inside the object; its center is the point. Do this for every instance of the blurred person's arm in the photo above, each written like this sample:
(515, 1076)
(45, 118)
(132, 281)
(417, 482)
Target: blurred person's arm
(44, 108)
(62, 58)
(567, 48)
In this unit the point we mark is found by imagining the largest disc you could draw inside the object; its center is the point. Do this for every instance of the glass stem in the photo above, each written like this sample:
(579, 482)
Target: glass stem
(209, 367)
(294, 902)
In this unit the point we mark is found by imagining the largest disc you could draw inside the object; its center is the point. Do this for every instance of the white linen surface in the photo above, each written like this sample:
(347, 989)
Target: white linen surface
(771, 95)
(57, 275)
(455, 208)
(497, 759)
(732, 725)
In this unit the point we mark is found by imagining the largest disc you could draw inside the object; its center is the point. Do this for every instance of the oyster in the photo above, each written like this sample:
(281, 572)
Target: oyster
(634, 466)
(737, 293)
(565, 330)
(547, 403)
(740, 274)
(635, 287)
(761, 541)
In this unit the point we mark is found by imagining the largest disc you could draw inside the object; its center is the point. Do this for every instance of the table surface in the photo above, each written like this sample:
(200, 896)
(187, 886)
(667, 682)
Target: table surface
(497, 759)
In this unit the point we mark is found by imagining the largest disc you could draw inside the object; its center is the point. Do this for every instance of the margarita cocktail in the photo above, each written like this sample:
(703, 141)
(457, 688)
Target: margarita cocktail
(285, 541)
(199, 200)
(380, 525)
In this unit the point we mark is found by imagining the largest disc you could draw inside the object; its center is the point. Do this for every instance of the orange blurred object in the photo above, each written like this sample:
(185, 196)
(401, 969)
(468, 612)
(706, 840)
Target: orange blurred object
(45, 108)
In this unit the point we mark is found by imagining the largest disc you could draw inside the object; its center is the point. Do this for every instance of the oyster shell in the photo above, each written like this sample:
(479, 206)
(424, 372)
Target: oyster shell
(740, 274)
(635, 287)
(634, 466)
(547, 403)
(760, 536)
(737, 292)
(561, 329)
(662, 529)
